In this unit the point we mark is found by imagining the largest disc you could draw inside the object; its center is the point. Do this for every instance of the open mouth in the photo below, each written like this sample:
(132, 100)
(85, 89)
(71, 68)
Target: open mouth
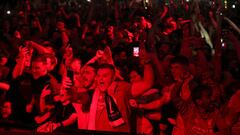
(101, 83)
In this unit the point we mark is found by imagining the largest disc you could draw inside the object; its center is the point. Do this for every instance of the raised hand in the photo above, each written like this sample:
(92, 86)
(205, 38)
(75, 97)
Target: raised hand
(234, 102)
(29, 108)
(143, 55)
(45, 92)
(99, 54)
(68, 54)
(23, 51)
(66, 82)
(133, 103)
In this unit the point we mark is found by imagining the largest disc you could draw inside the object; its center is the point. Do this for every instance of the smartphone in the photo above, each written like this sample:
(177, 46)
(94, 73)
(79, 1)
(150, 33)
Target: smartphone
(70, 75)
(136, 51)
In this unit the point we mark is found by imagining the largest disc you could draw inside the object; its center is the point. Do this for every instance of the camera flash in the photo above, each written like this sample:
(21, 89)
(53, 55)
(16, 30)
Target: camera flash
(8, 12)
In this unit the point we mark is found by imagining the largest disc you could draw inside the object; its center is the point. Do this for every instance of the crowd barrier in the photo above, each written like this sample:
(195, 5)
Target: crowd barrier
(16, 129)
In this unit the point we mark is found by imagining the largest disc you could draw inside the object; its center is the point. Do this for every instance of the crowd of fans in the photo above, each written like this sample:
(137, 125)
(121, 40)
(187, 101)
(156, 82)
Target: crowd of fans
(122, 67)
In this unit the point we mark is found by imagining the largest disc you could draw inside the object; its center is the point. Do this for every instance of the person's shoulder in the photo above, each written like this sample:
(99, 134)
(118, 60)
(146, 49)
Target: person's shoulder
(123, 84)
(123, 87)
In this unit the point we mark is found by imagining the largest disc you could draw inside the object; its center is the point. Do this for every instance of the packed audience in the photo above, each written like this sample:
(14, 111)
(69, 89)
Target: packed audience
(126, 67)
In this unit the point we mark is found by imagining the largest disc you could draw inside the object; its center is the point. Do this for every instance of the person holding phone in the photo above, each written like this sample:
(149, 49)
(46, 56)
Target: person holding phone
(26, 88)
(136, 51)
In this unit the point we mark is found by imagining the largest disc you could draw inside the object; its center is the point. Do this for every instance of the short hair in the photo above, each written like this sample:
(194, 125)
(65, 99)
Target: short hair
(40, 58)
(107, 66)
(93, 65)
(199, 90)
(76, 58)
(180, 60)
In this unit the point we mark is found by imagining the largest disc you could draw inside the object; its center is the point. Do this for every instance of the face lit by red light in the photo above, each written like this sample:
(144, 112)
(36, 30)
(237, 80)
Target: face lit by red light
(64, 96)
(88, 76)
(76, 65)
(110, 30)
(178, 71)
(105, 77)
(38, 69)
(3, 61)
(49, 64)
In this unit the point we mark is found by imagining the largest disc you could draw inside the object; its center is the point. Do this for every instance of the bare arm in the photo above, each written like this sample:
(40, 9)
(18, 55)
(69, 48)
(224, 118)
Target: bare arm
(70, 120)
(61, 27)
(153, 55)
(214, 22)
(39, 26)
(159, 67)
(43, 118)
(157, 104)
(41, 49)
(64, 13)
(154, 116)
(231, 113)
(19, 67)
(4, 86)
(228, 120)
(78, 20)
(65, 38)
(45, 92)
(140, 87)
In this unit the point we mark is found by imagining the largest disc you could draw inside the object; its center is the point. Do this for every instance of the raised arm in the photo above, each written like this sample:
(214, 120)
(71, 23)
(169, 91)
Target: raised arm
(138, 88)
(65, 39)
(4, 86)
(154, 116)
(62, 10)
(153, 55)
(39, 26)
(214, 22)
(41, 49)
(231, 114)
(78, 23)
(70, 120)
(154, 105)
(20, 62)
(45, 92)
